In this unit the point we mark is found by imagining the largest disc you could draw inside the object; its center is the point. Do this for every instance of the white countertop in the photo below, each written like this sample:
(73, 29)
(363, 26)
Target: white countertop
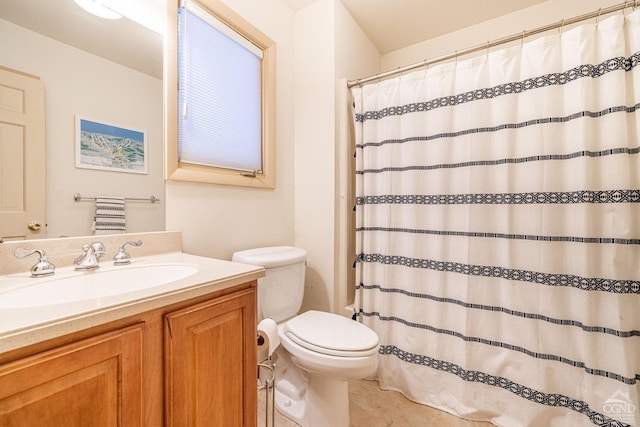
(23, 326)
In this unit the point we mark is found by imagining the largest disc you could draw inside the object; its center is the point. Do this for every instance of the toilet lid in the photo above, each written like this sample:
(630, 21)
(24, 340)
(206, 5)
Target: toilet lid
(331, 334)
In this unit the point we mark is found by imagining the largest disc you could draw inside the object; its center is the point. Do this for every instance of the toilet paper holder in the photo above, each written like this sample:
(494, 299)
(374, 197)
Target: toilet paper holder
(266, 382)
(266, 343)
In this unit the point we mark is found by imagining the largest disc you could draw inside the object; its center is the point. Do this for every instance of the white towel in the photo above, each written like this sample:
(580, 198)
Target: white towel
(109, 218)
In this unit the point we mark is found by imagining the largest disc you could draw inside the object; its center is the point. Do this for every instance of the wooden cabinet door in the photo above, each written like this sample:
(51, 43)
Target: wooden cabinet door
(94, 382)
(210, 363)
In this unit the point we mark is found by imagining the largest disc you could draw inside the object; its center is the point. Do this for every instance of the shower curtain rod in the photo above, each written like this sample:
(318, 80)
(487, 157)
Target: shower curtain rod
(520, 36)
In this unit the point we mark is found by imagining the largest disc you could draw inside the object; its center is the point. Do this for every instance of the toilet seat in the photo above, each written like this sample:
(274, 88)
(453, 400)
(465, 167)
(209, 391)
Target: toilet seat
(331, 334)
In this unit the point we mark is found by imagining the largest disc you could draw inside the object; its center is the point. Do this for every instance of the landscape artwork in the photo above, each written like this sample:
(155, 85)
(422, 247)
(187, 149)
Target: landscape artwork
(107, 147)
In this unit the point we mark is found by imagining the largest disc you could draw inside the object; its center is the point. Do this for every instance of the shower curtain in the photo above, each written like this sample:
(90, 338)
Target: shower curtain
(498, 229)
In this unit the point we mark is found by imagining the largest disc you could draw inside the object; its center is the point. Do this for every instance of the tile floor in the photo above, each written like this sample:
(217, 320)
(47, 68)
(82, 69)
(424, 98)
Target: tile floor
(371, 407)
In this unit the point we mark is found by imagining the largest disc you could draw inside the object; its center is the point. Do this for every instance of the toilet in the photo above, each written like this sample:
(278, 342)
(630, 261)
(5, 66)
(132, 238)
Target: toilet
(319, 352)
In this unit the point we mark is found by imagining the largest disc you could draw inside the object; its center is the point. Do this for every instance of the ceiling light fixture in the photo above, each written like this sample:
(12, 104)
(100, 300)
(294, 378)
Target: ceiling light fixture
(96, 8)
(148, 13)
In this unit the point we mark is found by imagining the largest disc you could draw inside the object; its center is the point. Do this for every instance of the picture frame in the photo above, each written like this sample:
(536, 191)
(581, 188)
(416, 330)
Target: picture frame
(105, 146)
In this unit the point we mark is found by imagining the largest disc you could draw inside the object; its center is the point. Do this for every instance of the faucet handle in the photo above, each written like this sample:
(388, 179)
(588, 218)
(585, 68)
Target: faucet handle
(43, 267)
(122, 257)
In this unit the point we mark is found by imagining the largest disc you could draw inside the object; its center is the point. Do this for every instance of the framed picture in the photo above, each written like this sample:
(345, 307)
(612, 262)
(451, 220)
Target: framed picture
(108, 147)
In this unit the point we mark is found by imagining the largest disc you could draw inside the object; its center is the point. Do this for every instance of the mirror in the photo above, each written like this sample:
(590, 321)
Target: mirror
(104, 71)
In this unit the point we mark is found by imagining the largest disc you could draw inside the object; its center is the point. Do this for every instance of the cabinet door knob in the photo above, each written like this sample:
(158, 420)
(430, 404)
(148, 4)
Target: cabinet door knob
(34, 225)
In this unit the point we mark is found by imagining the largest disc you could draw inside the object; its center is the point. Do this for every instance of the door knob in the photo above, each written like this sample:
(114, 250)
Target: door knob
(34, 225)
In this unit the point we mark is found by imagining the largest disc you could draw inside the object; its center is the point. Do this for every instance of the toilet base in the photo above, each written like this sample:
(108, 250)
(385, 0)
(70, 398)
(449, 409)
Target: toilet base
(308, 399)
(324, 402)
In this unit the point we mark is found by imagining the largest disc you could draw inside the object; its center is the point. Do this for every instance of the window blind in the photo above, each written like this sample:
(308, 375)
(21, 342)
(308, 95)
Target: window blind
(219, 95)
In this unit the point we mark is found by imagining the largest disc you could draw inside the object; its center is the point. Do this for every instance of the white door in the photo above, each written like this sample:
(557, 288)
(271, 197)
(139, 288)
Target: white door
(22, 156)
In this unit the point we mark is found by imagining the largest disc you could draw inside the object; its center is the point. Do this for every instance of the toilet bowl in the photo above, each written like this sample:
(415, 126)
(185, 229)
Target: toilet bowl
(320, 346)
(332, 345)
(319, 352)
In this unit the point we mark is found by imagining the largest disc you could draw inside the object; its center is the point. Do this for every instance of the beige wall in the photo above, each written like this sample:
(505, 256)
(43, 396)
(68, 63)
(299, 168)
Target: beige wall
(356, 56)
(76, 82)
(527, 19)
(314, 124)
(329, 48)
(217, 220)
(317, 47)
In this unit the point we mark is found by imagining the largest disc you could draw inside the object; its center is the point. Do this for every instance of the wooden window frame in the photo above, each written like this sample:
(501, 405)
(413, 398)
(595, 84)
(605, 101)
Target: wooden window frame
(179, 171)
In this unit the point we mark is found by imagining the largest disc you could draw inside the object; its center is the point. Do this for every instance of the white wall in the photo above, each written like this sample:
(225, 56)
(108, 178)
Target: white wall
(76, 82)
(514, 23)
(217, 220)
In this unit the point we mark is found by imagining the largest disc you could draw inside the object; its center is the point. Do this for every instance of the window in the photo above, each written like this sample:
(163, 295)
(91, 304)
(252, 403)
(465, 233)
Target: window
(223, 129)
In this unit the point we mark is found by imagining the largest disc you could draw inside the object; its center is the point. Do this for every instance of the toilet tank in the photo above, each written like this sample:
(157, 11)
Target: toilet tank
(280, 292)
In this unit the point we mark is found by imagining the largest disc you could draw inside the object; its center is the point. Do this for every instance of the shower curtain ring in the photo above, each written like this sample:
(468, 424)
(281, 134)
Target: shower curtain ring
(561, 29)
(598, 17)
(522, 39)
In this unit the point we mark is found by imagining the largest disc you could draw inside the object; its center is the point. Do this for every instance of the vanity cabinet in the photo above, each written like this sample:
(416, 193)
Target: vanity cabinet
(190, 363)
(210, 363)
(96, 382)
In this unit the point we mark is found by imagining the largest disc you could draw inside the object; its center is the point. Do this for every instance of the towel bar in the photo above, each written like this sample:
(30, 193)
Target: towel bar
(152, 199)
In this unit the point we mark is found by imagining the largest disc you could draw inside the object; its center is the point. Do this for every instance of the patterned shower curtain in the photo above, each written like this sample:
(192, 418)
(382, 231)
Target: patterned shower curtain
(498, 229)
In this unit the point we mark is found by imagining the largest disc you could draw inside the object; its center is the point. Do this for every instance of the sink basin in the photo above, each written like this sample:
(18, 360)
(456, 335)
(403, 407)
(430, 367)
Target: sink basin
(94, 285)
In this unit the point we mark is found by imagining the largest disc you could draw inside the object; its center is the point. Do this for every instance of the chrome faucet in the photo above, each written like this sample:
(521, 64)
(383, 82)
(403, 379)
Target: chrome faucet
(122, 257)
(43, 267)
(91, 254)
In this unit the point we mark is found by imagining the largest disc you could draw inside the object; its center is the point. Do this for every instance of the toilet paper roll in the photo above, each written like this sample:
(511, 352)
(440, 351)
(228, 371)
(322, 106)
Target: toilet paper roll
(269, 329)
(263, 346)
